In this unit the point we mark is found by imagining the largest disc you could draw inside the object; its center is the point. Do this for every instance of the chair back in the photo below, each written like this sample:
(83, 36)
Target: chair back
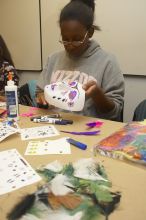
(140, 112)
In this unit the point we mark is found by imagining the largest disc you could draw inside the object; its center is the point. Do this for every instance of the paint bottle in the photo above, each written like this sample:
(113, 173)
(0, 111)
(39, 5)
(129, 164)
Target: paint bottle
(11, 99)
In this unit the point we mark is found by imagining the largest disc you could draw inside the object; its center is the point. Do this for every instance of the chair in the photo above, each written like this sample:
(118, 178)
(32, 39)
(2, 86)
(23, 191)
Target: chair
(140, 112)
(27, 94)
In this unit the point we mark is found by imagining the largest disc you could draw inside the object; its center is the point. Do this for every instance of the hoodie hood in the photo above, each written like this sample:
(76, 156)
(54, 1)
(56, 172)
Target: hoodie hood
(93, 48)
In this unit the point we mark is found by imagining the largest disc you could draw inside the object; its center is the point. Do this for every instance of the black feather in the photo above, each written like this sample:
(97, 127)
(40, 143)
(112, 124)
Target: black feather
(109, 207)
(43, 197)
(21, 208)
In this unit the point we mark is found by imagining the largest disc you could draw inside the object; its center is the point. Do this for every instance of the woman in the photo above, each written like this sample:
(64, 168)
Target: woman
(85, 61)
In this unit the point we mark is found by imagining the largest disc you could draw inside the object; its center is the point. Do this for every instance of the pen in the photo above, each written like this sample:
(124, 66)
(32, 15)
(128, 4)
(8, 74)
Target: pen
(77, 144)
(46, 116)
(51, 121)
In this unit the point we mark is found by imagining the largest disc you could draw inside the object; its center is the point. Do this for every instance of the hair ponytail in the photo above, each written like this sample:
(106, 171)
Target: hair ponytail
(89, 3)
(80, 10)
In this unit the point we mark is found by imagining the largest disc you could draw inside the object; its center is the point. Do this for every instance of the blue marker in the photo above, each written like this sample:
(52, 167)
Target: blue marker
(77, 144)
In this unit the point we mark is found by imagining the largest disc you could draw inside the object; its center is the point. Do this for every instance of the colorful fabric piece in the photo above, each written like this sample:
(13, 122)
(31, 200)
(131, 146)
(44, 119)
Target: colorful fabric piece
(128, 143)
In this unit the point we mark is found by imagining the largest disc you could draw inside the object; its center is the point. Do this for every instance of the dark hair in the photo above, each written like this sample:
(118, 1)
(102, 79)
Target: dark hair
(80, 10)
(4, 52)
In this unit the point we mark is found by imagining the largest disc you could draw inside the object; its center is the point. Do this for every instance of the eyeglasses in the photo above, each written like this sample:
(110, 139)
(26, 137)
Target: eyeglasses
(74, 43)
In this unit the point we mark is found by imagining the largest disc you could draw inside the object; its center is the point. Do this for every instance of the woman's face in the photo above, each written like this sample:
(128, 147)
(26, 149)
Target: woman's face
(75, 37)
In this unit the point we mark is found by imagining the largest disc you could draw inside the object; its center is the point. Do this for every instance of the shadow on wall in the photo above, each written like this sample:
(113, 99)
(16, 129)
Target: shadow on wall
(25, 76)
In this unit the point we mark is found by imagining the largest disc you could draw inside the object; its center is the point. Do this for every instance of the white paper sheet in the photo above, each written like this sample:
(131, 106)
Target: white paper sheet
(64, 95)
(59, 146)
(6, 131)
(15, 172)
(38, 132)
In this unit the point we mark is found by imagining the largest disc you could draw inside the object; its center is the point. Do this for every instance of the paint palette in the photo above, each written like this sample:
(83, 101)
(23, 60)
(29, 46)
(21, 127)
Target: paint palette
(64, 95)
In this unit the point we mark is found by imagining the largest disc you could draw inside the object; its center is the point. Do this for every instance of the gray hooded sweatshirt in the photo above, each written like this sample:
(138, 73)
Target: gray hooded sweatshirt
(93, 64)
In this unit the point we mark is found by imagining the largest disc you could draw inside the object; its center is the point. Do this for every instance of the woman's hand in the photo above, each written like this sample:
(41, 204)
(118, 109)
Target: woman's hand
(103, 103)
(40, 99)
(91, 89)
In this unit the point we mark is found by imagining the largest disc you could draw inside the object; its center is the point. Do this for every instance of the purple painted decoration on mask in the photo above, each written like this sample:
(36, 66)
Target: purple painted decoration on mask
(70, 104)
(73, 84)
(53, 86)
(72, 94)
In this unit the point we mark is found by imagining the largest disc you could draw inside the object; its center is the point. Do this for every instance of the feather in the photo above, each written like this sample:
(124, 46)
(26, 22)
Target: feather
(53, 201)
(69, 201)
(22, 207)
(94, 124)
(82, 133)
(92, 198)
(109, 207)
(43, 197)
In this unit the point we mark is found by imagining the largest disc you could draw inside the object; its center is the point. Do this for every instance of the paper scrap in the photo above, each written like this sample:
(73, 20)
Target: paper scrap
(38, 132)
(15, 172)
(59, 146)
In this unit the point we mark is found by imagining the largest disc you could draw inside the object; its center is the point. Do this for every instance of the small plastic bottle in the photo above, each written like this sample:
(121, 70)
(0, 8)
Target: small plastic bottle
(11, 99)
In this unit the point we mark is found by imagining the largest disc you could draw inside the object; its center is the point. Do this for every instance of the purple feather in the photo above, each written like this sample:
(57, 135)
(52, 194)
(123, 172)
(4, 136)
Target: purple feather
(82, 133)
(95, 124)
(91, 125)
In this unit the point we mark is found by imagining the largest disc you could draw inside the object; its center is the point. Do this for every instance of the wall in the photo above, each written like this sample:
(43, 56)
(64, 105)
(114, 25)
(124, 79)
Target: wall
(50, 27)
(20, 28)
(123, 24)
(123, 32)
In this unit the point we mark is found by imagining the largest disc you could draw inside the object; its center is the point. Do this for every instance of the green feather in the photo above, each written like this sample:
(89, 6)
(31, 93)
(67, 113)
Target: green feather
(101, 171)
(89, 209)
(102, 194)
(48, 175)
(68, 170)
(35, 211)
(91, 212)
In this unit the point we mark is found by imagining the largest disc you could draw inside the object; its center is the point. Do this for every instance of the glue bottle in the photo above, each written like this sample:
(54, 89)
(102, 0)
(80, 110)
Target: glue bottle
(11, 99)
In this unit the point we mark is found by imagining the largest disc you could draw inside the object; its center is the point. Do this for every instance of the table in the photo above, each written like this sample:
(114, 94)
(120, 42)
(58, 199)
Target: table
(129, 179)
